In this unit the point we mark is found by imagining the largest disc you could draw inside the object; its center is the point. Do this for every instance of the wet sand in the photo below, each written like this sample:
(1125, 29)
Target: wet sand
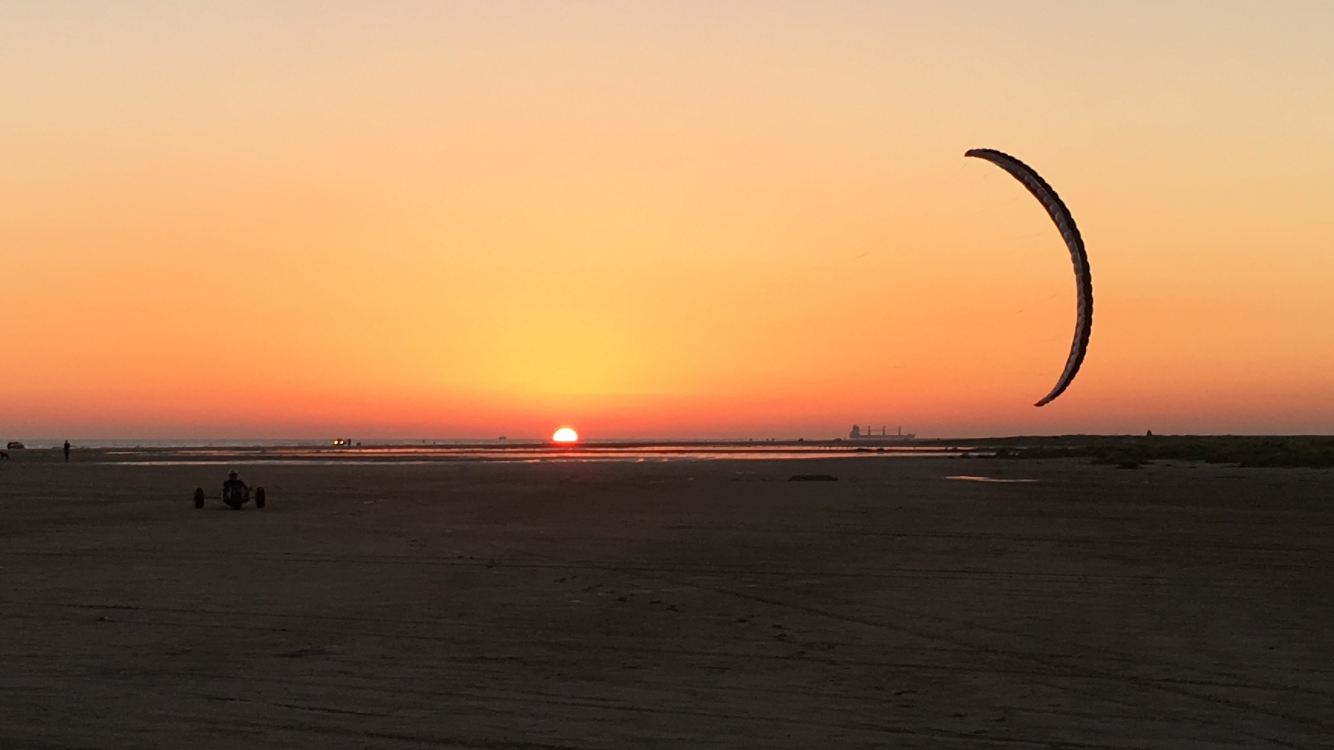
(680, 604)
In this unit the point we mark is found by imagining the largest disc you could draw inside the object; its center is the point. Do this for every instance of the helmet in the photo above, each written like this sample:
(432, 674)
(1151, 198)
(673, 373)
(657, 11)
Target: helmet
(232, 474)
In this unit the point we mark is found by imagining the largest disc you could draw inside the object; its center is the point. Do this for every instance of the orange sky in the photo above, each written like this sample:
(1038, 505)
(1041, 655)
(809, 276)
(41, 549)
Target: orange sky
(641, 219)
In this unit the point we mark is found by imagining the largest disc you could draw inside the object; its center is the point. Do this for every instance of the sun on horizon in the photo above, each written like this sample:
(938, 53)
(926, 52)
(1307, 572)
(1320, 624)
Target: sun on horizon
(565, 435)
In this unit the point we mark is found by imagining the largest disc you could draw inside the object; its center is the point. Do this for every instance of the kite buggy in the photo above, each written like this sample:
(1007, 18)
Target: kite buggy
(235, 494)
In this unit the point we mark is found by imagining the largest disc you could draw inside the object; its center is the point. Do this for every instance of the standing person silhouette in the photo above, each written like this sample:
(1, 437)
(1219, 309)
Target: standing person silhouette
(66, 451)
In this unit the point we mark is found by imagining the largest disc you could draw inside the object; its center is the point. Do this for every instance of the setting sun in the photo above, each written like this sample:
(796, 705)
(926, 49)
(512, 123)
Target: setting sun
(565, 435)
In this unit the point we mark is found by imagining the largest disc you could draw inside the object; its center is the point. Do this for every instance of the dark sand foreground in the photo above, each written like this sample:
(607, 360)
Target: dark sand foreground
(685, 604)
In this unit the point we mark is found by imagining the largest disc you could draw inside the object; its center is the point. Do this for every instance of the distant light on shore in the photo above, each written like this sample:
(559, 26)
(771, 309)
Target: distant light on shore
(565, 435)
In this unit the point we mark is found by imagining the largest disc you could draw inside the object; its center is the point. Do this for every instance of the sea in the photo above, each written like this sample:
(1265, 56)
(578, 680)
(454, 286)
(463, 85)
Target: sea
(147, 452)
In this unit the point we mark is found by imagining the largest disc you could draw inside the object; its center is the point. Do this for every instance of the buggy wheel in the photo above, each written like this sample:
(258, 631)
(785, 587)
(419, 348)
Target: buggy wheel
(259, 497)
(199, 497)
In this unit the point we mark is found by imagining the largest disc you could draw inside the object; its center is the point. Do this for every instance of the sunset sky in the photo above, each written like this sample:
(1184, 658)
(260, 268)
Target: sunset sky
(661, 219)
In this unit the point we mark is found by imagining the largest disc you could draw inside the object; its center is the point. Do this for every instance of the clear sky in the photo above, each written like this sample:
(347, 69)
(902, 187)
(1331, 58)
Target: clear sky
(747, 219)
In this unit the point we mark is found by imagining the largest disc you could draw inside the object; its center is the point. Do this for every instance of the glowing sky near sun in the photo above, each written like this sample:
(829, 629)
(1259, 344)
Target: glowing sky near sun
(456, 219)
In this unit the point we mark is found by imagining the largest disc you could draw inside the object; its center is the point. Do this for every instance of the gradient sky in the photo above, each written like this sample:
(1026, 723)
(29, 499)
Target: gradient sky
(652, 219)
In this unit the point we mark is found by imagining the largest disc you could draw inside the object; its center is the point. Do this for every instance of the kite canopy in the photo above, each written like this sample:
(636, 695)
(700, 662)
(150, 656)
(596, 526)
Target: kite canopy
(1065, 223)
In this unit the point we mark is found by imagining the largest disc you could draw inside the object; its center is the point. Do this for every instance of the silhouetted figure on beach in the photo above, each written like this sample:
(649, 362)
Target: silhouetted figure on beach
(235, 493)
(66, 451)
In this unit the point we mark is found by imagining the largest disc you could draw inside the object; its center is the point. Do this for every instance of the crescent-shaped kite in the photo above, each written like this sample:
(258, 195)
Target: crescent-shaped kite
(1070, 233)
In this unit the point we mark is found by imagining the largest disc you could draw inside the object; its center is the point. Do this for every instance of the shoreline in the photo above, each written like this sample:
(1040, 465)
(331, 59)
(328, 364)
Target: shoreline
(1122, 450)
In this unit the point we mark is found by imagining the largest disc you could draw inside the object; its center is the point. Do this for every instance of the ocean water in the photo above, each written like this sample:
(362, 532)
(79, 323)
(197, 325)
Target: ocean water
(252, 453)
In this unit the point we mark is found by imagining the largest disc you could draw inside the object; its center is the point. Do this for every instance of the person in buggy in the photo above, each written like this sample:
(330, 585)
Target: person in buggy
(235, 493)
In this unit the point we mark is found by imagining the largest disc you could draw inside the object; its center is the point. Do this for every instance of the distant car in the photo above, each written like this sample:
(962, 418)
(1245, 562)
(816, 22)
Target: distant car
(14, 445)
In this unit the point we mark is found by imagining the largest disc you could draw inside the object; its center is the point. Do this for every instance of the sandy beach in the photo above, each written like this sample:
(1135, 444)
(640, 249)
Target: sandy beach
(667, 604)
